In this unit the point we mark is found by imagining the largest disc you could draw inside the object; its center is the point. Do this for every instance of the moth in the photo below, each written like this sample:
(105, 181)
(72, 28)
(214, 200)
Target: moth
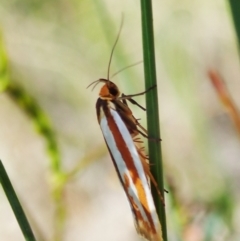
(121, 131)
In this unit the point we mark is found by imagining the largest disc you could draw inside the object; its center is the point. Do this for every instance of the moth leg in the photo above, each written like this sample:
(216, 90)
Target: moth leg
(133, 102)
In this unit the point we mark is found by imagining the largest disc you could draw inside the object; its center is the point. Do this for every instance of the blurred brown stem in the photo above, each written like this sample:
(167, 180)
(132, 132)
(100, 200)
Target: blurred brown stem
(225, 97)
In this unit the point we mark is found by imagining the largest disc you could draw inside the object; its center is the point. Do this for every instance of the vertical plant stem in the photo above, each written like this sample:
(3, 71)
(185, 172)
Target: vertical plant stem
(15, 204)
(155, 154)
(235, 7)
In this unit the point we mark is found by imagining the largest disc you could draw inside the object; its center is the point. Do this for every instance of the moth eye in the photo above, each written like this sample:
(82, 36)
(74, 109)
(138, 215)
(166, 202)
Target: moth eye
(114, 91)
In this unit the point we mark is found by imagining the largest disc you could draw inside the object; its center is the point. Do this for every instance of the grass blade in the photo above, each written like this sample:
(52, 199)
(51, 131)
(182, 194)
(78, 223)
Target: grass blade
(235, 7)
(15, 204)
(155, 154)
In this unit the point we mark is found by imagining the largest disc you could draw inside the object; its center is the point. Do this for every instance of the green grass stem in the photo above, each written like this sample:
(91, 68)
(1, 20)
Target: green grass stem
(155, 153)
(235, 8)
(15, 204)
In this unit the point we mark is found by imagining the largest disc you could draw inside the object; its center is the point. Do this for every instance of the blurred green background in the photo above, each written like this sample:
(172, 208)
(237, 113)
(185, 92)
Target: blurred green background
(51, 144)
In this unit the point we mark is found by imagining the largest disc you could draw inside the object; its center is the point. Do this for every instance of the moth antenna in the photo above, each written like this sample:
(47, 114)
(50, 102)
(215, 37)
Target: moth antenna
(96, 81)
(110, 60)
(129, 66)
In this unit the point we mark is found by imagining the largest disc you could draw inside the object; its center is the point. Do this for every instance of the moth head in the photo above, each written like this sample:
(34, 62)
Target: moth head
(109, 90)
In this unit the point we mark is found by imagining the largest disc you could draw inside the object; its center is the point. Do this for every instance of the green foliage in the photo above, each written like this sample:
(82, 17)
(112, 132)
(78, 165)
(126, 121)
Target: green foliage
(28, 104)
(4, 74)
(41, 121)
